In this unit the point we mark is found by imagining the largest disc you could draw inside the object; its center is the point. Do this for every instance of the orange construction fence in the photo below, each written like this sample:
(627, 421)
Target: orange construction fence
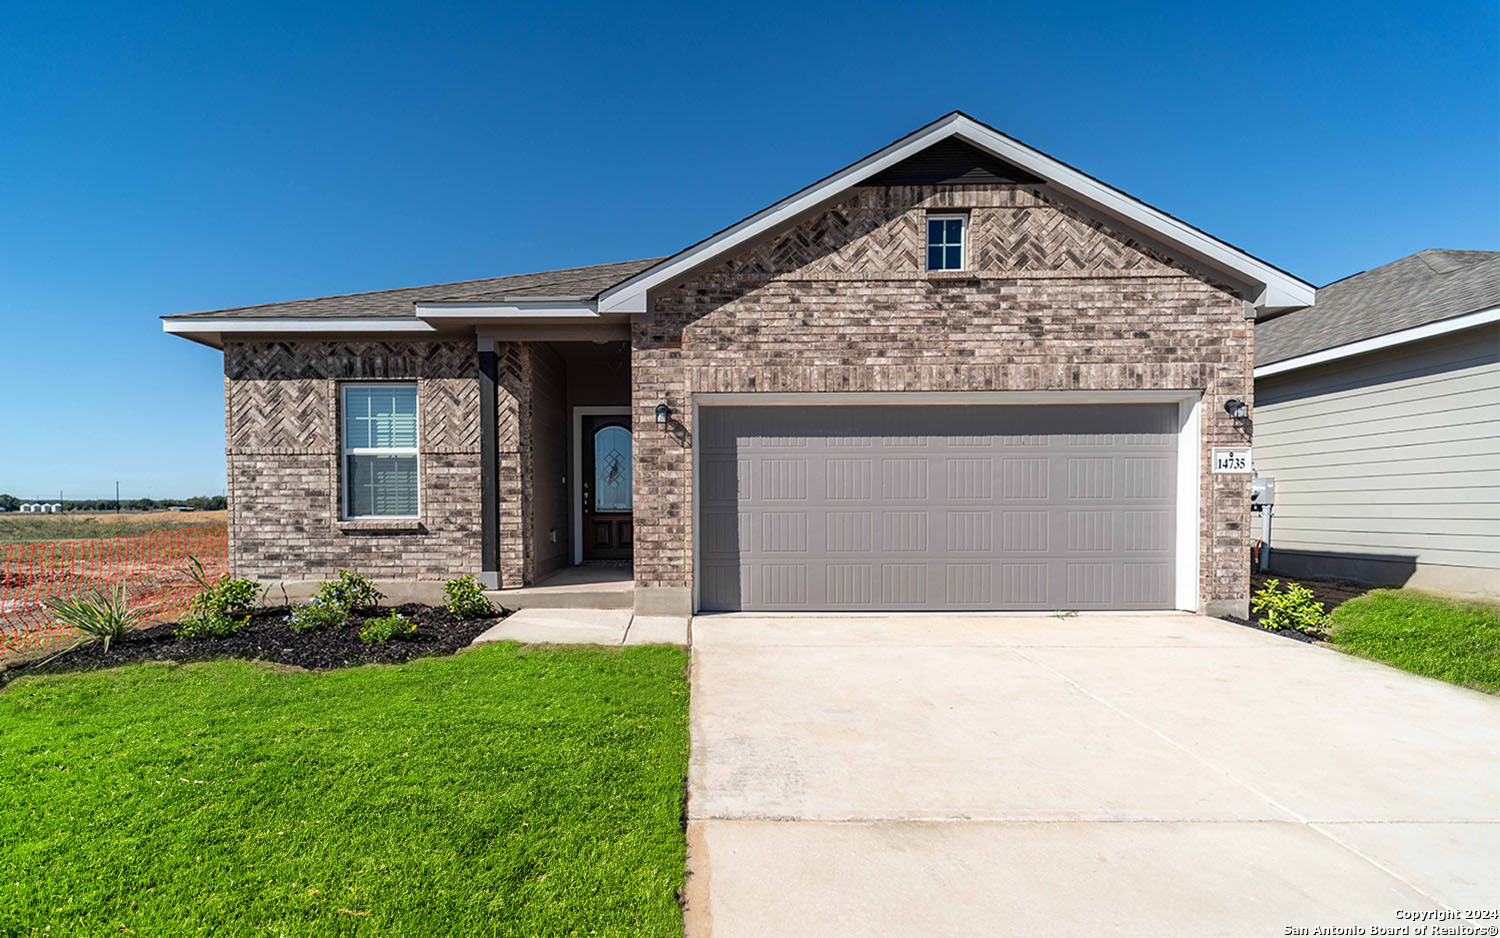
(153, 569)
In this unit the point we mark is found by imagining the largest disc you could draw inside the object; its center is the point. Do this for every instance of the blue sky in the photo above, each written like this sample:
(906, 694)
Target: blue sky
(158, 159)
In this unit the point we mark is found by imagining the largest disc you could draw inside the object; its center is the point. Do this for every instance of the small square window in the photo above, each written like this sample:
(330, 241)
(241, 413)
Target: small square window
(947, 241)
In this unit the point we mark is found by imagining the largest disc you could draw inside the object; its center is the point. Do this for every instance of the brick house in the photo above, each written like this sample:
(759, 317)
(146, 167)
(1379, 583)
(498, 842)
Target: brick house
(956, 374)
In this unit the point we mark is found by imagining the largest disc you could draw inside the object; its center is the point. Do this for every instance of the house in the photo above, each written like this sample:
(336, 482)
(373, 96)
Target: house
(955, 374)
(1378, 415)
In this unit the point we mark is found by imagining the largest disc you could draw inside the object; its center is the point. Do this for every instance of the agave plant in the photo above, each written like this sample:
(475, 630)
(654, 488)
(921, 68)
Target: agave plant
(104, 616)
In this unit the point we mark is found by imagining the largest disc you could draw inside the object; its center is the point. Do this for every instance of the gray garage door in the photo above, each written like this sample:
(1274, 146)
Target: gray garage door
(937, 507)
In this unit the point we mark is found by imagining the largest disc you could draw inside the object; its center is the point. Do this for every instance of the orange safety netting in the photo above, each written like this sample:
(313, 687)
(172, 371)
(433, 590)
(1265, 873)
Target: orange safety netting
(153, 568)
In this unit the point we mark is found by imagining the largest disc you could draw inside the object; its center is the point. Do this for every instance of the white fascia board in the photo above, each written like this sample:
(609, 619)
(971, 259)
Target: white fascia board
(289, 325)
(1375, 344)
(507, 310)
(1278, 289)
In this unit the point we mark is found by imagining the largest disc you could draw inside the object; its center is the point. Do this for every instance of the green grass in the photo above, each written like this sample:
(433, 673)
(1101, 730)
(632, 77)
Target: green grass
(505, 791)
(32, 528)
(1455, 641)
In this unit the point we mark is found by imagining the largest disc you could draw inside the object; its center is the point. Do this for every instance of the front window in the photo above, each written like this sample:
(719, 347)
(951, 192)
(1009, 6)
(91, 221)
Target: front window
(946, 241)
(380, 450)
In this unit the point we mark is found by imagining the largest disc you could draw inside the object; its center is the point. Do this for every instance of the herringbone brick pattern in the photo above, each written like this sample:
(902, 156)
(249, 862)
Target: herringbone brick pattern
(872, 237)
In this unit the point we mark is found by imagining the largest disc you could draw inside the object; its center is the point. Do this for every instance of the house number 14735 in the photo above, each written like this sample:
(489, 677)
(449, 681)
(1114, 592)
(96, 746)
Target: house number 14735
(1231, 459)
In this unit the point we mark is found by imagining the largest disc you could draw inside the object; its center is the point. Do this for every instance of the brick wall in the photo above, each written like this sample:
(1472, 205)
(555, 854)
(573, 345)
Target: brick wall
(281, 401)
(1053, 301)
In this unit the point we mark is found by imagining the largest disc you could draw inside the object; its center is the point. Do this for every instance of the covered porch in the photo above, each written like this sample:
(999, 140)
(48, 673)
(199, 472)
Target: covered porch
(557, 462)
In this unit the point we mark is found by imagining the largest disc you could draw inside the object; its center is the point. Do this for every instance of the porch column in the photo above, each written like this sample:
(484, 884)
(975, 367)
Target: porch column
(489, 468)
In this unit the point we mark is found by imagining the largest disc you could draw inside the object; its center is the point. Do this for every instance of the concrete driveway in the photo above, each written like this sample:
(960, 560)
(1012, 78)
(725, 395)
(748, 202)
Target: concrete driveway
(1108, 774)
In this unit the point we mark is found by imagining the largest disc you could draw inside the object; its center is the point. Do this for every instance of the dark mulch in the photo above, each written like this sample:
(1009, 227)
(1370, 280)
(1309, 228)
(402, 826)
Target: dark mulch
(1331, 593)
(267, 637)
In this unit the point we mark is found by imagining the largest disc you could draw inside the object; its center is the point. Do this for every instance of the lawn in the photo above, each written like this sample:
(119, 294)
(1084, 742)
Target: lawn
(505, 791)
(34, 527)
(1448, 639)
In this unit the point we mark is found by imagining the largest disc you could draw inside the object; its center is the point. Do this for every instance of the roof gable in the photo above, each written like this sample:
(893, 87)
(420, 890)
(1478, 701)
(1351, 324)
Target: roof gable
(1268, 287)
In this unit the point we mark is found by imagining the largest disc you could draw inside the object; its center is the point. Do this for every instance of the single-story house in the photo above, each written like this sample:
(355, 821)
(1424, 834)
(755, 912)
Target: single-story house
(1378, 415)
(955, 374)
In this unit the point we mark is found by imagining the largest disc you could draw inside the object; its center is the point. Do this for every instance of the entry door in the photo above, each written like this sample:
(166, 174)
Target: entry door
(608, 476)
(937, 507)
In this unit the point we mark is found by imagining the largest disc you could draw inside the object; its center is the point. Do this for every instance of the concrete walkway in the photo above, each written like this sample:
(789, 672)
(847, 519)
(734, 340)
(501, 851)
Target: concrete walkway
(1109, 774)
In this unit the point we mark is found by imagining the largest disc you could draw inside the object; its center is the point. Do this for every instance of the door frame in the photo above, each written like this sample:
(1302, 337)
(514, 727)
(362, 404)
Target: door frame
(1190, 460)
(575, 497)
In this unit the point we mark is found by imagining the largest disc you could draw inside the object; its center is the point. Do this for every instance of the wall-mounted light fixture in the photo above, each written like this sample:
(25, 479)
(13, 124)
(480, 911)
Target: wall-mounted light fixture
(1235, 407)
(662, 413)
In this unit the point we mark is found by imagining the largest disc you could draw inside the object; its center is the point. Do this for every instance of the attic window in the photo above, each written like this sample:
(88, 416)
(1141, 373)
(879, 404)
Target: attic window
(947, 242)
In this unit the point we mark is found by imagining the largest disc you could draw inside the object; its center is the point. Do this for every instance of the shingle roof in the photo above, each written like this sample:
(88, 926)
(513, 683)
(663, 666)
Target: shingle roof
(1426, 287)
(576, 283)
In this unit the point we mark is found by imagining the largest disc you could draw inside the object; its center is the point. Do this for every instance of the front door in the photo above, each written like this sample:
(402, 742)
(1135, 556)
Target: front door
(608, 475)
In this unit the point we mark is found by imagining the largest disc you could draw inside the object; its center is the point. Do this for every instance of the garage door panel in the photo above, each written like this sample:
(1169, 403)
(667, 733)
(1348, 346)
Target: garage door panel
(966, 507)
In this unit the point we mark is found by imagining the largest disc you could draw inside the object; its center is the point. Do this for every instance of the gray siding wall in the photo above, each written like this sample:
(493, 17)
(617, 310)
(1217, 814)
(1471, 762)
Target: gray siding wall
(1387, 465)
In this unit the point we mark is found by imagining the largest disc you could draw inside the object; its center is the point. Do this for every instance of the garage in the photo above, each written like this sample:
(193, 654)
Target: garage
(811, 506)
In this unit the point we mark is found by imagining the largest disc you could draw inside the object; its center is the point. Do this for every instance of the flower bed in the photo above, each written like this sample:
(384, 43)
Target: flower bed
(267, 637)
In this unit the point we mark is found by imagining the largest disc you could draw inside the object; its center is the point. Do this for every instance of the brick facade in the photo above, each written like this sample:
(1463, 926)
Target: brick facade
(842, 302)
(283, 453)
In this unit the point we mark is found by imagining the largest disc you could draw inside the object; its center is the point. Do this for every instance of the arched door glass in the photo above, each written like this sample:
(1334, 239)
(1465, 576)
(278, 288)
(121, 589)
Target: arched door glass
(612, 469)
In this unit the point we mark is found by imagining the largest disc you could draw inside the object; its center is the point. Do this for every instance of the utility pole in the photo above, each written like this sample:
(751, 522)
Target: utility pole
(117, 496)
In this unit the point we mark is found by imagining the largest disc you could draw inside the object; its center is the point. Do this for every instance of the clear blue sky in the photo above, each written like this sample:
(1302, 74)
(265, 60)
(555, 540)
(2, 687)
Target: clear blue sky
(158, 159)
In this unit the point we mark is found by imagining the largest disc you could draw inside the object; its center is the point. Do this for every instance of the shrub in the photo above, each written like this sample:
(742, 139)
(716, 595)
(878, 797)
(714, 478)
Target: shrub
(465, 598)
(99, 615)
(394, 625)
(351, 591)
(221, 608)
(1292, 608)
(317, 614)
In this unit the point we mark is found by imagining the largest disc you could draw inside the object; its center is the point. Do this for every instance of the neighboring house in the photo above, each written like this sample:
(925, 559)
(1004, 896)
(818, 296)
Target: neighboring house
(956, 374)
(1378, 414)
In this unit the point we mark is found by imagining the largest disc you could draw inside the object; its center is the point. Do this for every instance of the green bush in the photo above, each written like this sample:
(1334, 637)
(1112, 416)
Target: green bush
(351, 591)
(317, 614)
(394, 625)
(465, 598)
(102, 616)
(221, 608)
(1292, 608)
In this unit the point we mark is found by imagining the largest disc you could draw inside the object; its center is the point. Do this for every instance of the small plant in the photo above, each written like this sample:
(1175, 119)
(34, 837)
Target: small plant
(385, 628)
(221, 608)
(317, 614)
(351, 591)
(103, 616)
(1292, 608)
(465, 598)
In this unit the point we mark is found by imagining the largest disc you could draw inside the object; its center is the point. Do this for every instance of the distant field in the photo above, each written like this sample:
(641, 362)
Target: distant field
(29, 528)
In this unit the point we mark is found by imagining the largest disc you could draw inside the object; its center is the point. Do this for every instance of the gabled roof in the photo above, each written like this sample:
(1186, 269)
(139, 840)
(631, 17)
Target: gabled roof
(570, 283)
(1270, 288)
(1426, 287)
(954, 148)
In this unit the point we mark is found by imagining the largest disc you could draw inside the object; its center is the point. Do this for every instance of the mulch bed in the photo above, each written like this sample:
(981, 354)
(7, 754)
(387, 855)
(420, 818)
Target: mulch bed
(1331, 593)
(267, 637)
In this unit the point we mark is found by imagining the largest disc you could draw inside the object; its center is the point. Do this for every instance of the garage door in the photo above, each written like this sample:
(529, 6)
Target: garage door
(937, 507)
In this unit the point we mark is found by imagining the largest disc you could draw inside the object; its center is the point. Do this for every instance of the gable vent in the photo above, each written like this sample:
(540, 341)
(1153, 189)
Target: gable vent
(950, 162)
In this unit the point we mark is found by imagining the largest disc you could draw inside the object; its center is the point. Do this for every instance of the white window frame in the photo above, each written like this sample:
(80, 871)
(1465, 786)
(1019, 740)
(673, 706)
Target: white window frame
(963, 241)
(346, 450)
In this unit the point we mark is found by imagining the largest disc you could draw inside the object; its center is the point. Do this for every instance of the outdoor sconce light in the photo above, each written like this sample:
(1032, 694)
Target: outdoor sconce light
(662, 413)
(1235, 407)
